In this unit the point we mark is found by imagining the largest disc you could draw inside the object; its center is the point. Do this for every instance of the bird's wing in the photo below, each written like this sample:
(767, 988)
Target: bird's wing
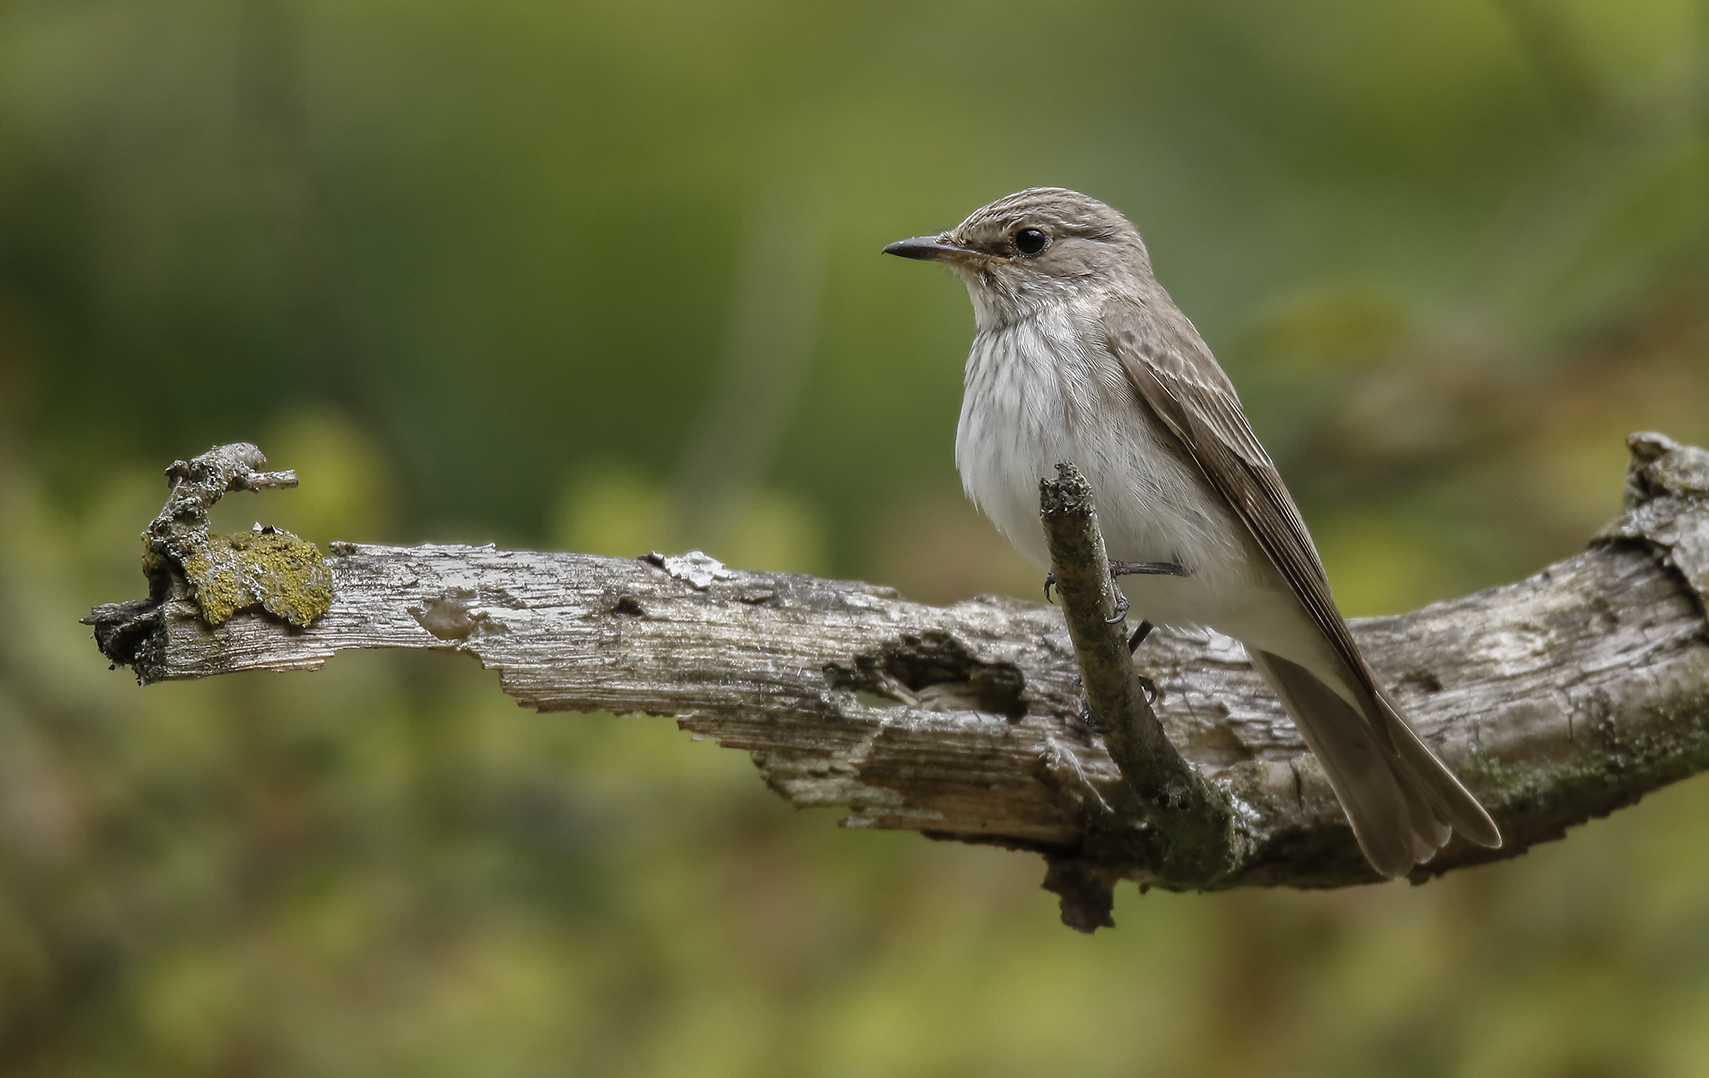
(1174, 374)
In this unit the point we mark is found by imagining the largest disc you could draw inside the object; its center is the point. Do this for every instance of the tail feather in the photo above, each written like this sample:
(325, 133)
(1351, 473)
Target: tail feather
(1432, 779)
(1403, 803)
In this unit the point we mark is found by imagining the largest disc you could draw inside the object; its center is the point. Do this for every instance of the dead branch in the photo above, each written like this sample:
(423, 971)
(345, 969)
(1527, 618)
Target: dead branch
(1558, 699)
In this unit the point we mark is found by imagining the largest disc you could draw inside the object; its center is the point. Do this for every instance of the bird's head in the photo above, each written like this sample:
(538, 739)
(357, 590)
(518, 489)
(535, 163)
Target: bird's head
(1034, 248)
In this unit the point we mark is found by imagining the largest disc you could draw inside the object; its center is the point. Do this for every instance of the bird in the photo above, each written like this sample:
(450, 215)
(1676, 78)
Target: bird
(1080, 355)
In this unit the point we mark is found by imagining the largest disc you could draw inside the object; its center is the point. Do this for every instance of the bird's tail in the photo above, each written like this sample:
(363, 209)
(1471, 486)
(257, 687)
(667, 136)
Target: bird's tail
(1404, 803)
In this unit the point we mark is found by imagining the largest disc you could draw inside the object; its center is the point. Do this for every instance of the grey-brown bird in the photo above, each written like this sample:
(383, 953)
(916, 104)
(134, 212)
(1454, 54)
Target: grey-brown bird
(1080, 355)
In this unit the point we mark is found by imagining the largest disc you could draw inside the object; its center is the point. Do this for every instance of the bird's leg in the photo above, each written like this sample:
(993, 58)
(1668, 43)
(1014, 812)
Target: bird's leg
(1139, 636)
(1147, 568)
(1133, 642)
(1086, 718)
(1119, 569)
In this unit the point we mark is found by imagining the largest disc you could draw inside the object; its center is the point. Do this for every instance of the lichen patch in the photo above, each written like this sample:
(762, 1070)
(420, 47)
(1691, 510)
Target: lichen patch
(275, 570)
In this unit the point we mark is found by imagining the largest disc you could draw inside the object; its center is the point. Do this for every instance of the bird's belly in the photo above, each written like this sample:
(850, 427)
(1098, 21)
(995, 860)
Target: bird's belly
(1022, 416)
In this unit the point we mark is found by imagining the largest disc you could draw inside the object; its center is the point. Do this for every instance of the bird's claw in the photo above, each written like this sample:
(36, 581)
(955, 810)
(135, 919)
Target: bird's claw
(1120, 569)
(1086, 718)
(1146, 685)
(1121, 608)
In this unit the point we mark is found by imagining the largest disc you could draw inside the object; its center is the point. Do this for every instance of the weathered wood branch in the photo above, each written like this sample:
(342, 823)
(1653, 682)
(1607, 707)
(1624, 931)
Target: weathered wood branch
(1558, 699)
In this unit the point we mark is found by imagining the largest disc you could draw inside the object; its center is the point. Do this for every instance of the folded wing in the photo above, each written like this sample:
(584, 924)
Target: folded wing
(1402, 801)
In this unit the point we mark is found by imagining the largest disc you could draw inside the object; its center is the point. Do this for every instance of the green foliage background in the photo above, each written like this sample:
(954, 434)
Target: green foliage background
(605, 276)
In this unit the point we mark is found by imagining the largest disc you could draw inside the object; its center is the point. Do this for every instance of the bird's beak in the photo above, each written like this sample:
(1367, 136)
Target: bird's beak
(934, 249)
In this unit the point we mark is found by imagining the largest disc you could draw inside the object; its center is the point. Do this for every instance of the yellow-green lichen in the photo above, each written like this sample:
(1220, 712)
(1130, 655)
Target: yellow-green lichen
(284, 575)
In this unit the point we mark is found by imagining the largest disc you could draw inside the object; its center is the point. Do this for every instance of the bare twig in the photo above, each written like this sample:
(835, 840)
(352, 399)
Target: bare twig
(1199, 827)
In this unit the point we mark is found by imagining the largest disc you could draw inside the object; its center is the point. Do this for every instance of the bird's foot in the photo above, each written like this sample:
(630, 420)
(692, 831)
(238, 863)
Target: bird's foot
(1146, 685)
(1121, 600)
(1152, 693)
(1121, 607)
(1119, 569)
(1086, 718)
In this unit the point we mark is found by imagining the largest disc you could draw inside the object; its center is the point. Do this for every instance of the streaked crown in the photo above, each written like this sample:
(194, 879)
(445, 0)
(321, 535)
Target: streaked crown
(1057, 211)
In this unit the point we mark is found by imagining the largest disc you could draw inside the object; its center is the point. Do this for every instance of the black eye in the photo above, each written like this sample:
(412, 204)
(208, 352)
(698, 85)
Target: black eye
(1030, 241)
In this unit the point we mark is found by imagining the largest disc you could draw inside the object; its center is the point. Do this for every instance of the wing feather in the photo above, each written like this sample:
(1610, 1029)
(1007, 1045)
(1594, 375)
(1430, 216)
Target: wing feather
(1176, 377)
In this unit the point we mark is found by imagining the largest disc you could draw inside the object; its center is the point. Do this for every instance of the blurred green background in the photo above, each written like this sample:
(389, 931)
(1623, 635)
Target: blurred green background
(605, 276)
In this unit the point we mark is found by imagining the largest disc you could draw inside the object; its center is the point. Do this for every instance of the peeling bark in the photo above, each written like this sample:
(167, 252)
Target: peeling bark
(1557, 699)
